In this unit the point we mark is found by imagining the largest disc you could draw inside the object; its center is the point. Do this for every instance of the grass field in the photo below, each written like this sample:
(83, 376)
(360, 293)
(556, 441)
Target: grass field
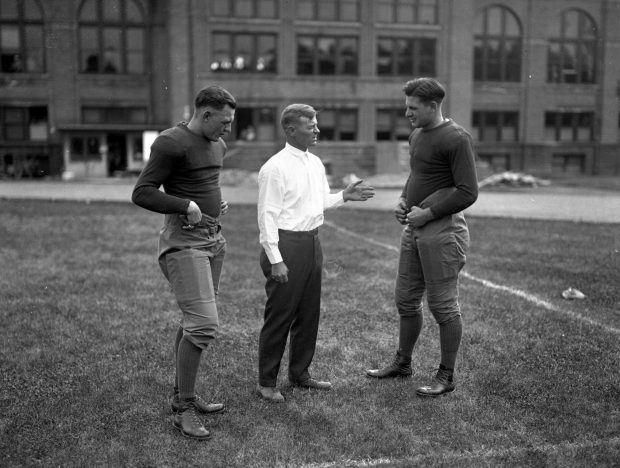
(87, 324)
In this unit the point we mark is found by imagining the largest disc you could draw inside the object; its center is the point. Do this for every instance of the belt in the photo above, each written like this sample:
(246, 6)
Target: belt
(312, 232)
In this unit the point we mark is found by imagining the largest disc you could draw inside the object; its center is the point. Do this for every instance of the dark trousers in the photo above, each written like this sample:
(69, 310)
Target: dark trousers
(292, 307)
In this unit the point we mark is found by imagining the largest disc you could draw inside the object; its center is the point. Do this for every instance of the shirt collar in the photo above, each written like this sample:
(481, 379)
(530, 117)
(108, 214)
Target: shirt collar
(295, 151)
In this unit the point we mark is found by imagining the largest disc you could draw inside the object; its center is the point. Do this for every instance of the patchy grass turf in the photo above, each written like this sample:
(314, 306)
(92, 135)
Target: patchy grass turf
(87, 324)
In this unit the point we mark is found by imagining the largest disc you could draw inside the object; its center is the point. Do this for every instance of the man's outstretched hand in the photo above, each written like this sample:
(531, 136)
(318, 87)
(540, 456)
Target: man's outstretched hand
(357, 191)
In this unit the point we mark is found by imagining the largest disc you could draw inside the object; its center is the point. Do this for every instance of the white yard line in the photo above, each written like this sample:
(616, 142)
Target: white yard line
(489, 284)
(477, 455)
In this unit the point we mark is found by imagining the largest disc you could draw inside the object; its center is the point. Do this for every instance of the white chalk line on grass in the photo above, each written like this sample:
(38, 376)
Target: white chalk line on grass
(477, 455)
(489, 284)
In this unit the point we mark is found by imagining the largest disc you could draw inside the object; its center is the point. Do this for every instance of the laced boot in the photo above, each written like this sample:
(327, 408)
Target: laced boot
(443, 384)
(201, 405)
(400, 367)
(188, 422)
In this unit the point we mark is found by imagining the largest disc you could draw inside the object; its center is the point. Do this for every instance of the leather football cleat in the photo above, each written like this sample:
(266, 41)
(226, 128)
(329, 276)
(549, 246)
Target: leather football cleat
(399, 367)
(443, 384)
(188, 422)
(201, 405)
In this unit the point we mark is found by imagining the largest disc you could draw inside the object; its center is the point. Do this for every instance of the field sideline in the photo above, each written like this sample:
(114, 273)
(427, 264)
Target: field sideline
(87, 323)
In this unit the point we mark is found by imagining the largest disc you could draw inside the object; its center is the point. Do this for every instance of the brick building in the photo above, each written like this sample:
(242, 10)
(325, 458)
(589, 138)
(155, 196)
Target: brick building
(536, 81)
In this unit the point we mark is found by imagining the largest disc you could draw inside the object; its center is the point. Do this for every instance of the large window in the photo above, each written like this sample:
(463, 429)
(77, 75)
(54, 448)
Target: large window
(254, 124)
(103, 115)
(112, 37)
(21, 36)
(23, 123)
(245, 8)
(337, 124)
(392, 125)
(495, 126)
(328, 10)
(572, 49)
(569, 126)
(497, 45)
(244, 53)
(401, 56)
(324, 55)
(407, 11)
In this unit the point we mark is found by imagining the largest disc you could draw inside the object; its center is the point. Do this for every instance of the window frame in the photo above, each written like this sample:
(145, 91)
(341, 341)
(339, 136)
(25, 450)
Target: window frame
(479, 125)
(315, 56)
(558, 129)
(563, 42)
(508, 69)
(232, 46)
(417, 59)
(103, 26)
(23, 25)
(233, 8)
(340, 5)
(418, 6)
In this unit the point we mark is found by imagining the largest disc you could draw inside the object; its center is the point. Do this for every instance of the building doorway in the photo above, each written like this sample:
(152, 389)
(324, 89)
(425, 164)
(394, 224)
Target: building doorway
(117, 153)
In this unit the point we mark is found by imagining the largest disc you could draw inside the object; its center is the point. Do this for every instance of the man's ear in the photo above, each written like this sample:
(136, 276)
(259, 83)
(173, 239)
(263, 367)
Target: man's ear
(205, 115)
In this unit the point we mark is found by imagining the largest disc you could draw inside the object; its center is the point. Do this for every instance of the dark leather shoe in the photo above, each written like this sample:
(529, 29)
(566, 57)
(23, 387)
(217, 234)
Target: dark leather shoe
(314, 384)
(400, 367)
(188, 422)
(201, 405)
(270, 393)
(443, 384)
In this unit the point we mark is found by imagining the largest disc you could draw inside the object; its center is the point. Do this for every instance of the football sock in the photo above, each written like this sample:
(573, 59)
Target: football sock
(177, 340)
(188, 361)
(450, 340)
(409, 330)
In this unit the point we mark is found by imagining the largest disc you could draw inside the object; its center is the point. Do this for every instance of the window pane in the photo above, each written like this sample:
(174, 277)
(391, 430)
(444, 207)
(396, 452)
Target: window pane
(9, 37)
(494, 21)
(512, 26)
(405, 13)
(220, 7)
(222, 55)
(327, 56)
(112, 47)
(111, 10)
(427, 12)
(267, 9)
(8, 10)
(385, 11)
(305, 55)
(133, 12)
(34, 48)
(327, 10)
(305, 9)
(243, 8)
(570, 25)
(243, 52)
(89, 11)
(91, 115)
(31, 11)
(349, 10)
(266, 59)
(384, 56)
(405, 57)
(348, 49)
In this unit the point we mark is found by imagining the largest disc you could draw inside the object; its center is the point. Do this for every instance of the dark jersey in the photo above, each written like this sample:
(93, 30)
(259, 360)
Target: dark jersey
(442, 157)
(188, 167)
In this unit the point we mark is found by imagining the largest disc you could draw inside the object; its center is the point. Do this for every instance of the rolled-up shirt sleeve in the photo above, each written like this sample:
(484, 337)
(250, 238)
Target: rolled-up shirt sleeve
(270, 196)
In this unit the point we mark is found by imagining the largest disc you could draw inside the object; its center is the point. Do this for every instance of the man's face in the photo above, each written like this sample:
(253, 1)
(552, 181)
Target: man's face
(216, 123)
(420, 114)
(305, 133)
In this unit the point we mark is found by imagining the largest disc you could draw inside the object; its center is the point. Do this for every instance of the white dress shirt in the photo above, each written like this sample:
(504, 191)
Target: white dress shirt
(293, 192)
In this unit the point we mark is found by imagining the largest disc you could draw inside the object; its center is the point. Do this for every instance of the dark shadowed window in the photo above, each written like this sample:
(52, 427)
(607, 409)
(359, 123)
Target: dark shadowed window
(21, 37)
(112, 37)
(497, 45)
(404, 56)
(572, 52)
(327, 55)
(243, 53)
(407, 11)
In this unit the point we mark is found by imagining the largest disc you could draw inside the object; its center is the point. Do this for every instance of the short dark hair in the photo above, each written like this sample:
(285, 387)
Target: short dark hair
(214, 96)
(426, 89)
(294, 112)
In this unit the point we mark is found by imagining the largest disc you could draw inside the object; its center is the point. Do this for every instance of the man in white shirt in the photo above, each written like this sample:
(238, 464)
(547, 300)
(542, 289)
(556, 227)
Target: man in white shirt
(292, 194)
